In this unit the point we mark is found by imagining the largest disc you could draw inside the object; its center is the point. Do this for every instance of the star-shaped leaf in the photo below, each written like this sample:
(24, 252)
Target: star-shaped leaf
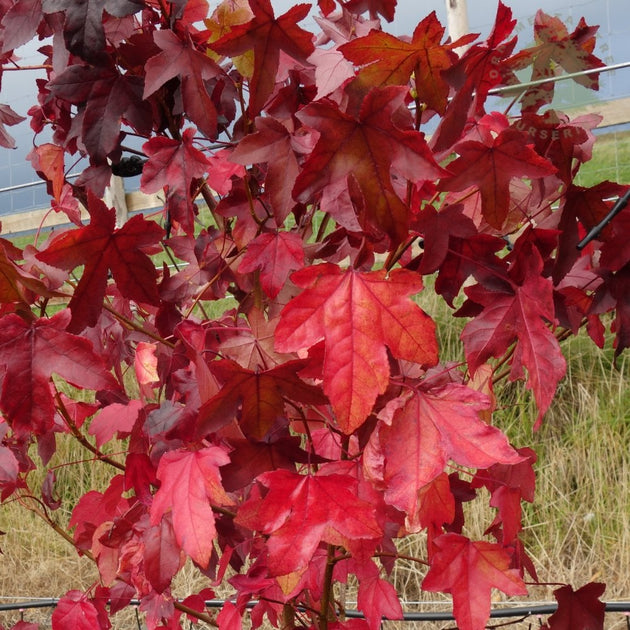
(179, 59)
(469, 570)
(83, 26)
(389, 60)
(357, 315)
(369, 148)
(432, 428)
(102, 248)
(267, 35)
(491, 168)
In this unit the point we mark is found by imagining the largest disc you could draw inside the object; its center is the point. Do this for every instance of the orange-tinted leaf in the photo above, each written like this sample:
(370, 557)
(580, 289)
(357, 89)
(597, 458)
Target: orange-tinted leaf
(469, 570)
(267, 36)
(370, 148)
(357, 315)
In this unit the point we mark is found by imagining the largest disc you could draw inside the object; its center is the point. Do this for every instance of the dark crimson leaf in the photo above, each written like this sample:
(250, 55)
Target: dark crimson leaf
(83, 25)
(579, 610)
(30, 353)
(179, 59)
(102, 248)
(267, 35)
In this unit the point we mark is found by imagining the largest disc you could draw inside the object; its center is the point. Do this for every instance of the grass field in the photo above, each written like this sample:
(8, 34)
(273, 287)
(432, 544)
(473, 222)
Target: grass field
(577, 530)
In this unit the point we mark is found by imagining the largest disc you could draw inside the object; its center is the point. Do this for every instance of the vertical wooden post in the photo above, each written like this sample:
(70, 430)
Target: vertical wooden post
(115, 198)
(457, 20)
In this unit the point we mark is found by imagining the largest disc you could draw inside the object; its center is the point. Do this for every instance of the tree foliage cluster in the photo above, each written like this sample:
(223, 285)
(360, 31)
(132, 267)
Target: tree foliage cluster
(275, 400)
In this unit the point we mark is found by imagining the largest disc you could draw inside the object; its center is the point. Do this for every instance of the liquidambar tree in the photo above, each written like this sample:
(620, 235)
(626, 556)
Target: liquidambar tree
(270, 403)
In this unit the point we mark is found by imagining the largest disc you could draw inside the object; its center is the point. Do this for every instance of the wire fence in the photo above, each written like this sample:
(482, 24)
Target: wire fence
(519, 611)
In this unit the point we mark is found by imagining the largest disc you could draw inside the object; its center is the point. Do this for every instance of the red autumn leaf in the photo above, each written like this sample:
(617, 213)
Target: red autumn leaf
(113, 419)
(48, 160)
(276, 254)
(272, 143)
(389, 60)
(19, 24)
(579, 610)
(190, 482)
(174, 164)
(491, 168)
(83, 24)
(9, 469)
(556, 47)
(378, 600)
(478, 70)
(8, 117)
(180, 59)
(370, 148)
(357, 315)
(469, 570)
(75, 610)
(162, 558)
(433, 427)
(386, 8)
(436, 507)
(102, 248)
(260, 394)
(105, 98)
(30, 353)
(519, 316)
(300, 511)
(267, 35)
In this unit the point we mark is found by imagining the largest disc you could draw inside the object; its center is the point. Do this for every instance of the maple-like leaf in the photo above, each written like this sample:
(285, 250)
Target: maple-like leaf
(30, 353)
(105, 98)
(19, 24)
(389, 60)
(260, 395)
(179, 59)
(519, 316)
(579, 610)
(75, 610)
(357, 315)
(491, 168)
(267, 35)
(276, 254)
(190, 482)
(173, 164)
(300, 511)
(469, 570)
(8, 117)
(378, 600)
(556, 47)
(433, 427)
(83, 24)
(370, 148)
(102, 248)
